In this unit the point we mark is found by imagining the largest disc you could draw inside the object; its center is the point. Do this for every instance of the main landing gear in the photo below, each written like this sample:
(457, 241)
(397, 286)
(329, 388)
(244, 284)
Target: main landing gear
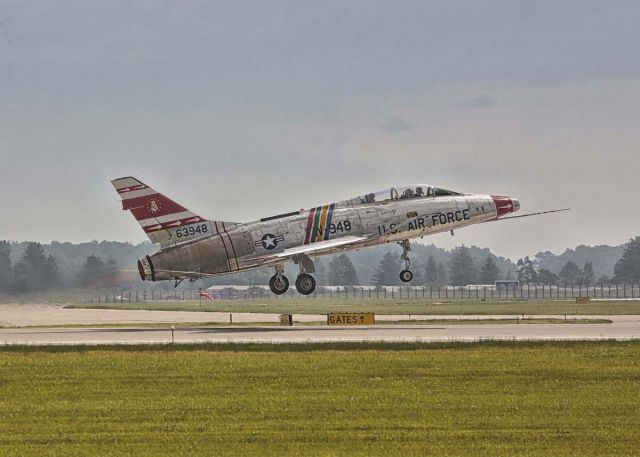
(279, 283)
(305, 283)
(406, 275)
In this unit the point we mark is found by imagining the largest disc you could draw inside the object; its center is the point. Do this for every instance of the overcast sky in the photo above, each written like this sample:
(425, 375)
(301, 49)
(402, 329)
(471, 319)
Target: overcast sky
(240, 110)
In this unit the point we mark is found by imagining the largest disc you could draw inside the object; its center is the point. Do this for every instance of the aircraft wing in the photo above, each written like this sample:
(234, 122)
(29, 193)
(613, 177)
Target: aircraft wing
(321, 247)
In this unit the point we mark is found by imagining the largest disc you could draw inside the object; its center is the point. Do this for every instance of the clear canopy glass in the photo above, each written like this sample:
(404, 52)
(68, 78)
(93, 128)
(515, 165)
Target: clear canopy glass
(400, 193)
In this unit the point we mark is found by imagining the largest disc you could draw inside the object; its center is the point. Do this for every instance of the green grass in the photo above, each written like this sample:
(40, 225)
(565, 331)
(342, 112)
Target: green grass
(403, 306)
(489, 399)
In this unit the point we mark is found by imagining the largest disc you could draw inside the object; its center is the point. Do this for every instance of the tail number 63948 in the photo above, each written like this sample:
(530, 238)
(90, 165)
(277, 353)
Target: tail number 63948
(191, 230)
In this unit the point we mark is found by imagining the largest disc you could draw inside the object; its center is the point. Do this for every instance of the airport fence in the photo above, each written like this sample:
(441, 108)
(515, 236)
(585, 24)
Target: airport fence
(434, 293)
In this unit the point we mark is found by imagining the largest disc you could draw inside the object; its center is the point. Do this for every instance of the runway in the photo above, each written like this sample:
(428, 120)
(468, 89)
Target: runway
(250, 327)
(619, 330)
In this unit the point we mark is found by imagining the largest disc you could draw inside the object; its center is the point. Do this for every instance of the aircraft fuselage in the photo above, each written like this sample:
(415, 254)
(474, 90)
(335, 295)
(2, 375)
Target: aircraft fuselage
(245, 246)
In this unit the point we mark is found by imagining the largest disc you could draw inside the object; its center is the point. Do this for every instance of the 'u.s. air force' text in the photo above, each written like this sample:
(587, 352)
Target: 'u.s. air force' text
(435, 219)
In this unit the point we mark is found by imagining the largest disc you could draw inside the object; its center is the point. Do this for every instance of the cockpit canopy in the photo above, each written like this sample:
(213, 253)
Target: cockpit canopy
(400, 193)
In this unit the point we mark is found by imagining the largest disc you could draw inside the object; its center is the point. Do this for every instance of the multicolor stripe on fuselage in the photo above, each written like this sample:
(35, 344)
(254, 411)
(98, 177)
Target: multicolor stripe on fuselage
(319, 223)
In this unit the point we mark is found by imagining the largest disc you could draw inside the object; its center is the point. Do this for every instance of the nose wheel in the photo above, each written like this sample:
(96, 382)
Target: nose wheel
(305, 284)
(406, 275)
(279, 283)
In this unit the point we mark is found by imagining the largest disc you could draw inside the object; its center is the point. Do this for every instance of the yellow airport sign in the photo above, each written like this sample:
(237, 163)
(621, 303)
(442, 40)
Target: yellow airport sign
(351, 319)
(583, 300)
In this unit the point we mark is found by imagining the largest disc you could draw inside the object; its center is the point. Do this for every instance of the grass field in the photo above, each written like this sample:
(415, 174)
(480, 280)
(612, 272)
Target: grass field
(382, 306)
(488, 399)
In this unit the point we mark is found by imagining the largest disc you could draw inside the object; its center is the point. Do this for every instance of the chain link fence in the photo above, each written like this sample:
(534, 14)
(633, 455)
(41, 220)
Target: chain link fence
(432, 293)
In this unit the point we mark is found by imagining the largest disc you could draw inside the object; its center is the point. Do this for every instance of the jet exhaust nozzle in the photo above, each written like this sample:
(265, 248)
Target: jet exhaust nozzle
(145, 268)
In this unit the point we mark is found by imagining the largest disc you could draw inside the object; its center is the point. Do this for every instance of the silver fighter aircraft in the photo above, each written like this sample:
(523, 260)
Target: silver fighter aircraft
(192, 247)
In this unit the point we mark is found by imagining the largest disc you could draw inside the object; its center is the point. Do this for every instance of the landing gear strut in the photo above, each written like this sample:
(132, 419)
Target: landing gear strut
(305, 284)
(279, 283)
(406, 275)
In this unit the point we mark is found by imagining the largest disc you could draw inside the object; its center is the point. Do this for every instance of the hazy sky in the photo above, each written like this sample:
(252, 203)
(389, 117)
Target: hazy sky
(241, 109)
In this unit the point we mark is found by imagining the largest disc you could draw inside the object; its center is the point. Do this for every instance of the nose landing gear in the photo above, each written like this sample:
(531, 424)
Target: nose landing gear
(406, 275)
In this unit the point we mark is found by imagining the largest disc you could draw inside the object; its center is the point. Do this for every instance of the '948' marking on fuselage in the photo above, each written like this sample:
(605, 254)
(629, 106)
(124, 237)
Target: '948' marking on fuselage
(319, 224)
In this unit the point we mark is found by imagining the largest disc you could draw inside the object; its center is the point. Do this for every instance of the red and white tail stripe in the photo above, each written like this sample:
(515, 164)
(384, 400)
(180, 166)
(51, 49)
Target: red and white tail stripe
(156, 213)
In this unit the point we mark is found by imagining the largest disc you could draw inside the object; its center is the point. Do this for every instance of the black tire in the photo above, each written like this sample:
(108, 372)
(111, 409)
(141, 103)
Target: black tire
(278, 287)
(406, 275)
(305, 284)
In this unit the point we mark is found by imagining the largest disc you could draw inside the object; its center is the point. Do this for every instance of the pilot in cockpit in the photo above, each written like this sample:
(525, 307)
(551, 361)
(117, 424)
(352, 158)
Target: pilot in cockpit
(370, 198)
(407, 194)
(419, 192)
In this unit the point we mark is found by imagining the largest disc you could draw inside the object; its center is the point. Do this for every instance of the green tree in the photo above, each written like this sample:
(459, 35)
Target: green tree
(6, 271)
(527, 272)
(627, 269)
(387, 271)
(35, 270)
(93, 271)
(570, 273)
(588, 275)
(462, 270)
(546, 277)
(342, 272)
(443, 276)
(430, 271)
(489, 271)
(321, 272)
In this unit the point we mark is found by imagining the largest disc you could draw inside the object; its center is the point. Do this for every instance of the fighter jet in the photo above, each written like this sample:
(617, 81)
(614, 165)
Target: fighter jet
(192, 247)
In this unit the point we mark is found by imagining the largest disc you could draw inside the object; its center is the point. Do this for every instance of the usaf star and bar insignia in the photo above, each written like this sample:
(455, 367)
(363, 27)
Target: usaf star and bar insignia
(269, 241)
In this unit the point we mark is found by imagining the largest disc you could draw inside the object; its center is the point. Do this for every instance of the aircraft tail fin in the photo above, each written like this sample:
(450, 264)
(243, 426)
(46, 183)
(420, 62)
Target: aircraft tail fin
(163, 220)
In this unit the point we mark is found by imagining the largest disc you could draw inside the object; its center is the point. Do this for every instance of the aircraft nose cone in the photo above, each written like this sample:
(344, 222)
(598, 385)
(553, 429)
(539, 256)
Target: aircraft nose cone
(505, 205)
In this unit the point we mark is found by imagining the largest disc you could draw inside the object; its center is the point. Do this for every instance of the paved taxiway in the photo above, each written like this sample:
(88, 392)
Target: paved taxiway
(622, 327)
(619, 329)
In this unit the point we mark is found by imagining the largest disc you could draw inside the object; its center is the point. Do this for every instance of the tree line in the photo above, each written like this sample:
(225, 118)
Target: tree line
(36, 269)
(462, 270)
(626, 270)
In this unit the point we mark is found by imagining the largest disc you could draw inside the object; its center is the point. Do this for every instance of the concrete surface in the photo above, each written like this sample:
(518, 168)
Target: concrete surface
(623, 327)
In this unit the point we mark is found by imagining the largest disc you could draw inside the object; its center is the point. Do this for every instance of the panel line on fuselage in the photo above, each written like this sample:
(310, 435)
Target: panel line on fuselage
(224, 245)
(233, 248)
